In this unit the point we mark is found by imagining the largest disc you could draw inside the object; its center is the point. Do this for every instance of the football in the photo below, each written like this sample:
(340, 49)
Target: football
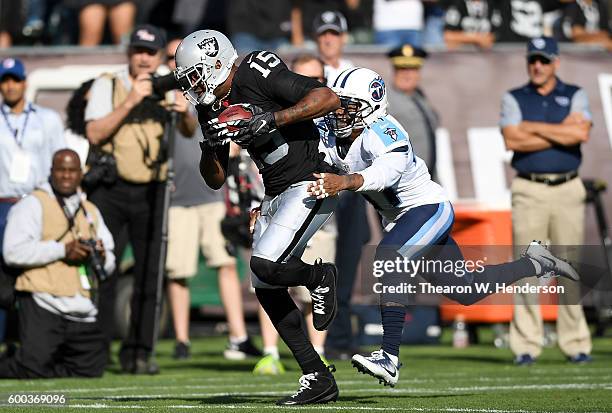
(234, 112)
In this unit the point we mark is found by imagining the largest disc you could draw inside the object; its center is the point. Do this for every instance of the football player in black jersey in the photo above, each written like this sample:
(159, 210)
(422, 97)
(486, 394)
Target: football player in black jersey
(283, 141)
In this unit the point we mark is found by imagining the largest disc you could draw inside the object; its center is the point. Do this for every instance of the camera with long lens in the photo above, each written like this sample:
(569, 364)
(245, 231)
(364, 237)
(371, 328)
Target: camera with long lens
(162, 84)
(96, 261)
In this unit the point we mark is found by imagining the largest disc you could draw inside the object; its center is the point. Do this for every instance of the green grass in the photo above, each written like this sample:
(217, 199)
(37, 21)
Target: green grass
(434, 378)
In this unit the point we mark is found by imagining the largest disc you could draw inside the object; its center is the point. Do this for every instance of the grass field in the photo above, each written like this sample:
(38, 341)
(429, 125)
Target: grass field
(478, 379)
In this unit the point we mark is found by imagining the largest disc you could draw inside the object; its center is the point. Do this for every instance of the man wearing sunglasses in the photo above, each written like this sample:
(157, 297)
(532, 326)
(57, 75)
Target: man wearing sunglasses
(544, 122)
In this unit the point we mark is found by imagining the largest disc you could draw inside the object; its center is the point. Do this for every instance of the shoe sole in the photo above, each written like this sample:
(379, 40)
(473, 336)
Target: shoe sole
(332, 397)
(364, 370)
(334, 311)
(234, 355)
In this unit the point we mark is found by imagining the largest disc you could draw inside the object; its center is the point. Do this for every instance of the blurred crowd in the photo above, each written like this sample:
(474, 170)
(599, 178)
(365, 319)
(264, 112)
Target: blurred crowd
(274, 23)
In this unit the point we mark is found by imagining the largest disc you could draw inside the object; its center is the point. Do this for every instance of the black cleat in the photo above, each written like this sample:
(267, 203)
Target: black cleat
(315, 388)
(324, 296)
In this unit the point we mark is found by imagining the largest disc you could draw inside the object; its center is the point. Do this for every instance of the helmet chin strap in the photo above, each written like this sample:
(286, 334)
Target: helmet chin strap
(219, 101)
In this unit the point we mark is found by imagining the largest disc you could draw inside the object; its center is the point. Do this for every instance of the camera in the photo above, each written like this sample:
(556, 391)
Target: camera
(96, 262)
(162, 84)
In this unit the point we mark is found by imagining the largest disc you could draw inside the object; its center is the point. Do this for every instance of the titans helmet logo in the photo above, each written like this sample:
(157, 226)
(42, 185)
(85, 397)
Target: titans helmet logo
(377, 89)
(210, 46)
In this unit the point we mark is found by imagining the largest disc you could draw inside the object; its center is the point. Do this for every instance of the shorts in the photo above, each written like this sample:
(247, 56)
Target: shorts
(190, 227)
(321, 245)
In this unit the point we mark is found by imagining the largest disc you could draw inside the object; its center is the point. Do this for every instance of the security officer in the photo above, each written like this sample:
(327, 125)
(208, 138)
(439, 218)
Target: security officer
(125, 119)
(544, 122)
(410, 106)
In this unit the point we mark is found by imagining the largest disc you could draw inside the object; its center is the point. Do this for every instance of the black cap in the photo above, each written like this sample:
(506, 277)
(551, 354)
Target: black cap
(330, 20)
(148, 36)
(407, 57)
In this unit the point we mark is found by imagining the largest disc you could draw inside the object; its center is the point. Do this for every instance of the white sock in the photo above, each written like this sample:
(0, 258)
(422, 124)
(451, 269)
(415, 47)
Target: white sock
(271, 351)
(238, 340)
(538, 267)
(320, 350)
(393, 358)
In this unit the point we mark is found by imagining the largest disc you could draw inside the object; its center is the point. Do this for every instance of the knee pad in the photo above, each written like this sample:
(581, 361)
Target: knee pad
(266, 270)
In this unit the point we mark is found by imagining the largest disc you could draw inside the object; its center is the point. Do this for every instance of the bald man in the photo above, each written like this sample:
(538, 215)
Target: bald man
(45, 235)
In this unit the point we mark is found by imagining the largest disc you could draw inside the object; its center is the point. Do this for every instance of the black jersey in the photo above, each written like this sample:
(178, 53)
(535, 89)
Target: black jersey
(289, 154)
(521, 20)
(470, 16)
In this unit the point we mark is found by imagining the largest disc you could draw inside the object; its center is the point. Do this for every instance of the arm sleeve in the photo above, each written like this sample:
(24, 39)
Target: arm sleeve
(385, 171)
(510, 112)
(22, 239)
(580, 104)
(109, 244)
(100, 101)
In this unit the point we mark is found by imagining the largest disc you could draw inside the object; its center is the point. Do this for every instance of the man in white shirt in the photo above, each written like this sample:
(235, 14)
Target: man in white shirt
(45, 235)
(29, 135)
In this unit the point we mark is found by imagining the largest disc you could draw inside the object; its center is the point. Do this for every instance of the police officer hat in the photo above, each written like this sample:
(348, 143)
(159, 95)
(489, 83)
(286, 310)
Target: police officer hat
(407, 57)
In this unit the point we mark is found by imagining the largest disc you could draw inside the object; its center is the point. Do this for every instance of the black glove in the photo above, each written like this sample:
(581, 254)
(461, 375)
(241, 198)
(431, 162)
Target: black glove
(245, 130)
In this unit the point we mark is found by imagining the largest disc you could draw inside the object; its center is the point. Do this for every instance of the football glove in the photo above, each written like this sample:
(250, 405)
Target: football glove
(243, 131)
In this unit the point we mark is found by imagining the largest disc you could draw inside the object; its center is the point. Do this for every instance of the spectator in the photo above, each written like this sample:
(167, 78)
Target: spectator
(586, 21)
(397, 22)
(258, 25)
(353, 230)
(520, 20)
(10, 21)
(544, 123)
(321, 245)
(330, 29)
(469, 22)
(93, 15)
(125, 118)
(35, 19)
(29, 136)
(195, 219)
(410, 106)
(433, 33)
(58, 330)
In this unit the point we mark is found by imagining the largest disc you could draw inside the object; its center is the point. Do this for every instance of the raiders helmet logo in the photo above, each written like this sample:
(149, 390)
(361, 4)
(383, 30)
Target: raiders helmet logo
(210, 46)
(392, 133)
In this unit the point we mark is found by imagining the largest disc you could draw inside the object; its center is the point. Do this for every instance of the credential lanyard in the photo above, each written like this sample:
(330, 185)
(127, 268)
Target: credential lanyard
(15, 131)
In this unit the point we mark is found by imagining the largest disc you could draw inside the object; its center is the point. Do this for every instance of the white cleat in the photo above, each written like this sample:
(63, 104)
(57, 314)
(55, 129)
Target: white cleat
(379, 366)
(552, 266)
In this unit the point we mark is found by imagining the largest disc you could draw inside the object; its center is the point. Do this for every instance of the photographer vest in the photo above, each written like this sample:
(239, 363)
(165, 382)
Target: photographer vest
(58, 278)
(136, 144)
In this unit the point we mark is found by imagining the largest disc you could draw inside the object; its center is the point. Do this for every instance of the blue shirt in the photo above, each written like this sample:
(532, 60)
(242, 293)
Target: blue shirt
(40, 133)
(526, 104)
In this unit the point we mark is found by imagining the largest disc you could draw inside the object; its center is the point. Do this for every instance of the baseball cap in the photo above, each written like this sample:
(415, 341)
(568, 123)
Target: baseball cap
(330, 20)
(407, 57)
(13, 67)
(543, 46)
(148, 36)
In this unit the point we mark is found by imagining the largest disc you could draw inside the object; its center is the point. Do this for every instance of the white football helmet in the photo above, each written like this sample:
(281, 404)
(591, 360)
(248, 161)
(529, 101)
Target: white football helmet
(204, 60)
(363, 97)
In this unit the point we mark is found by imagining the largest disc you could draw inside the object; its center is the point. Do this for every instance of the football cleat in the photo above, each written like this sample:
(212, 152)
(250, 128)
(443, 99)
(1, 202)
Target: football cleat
(315, 388)
(324, 296)
(379, 365)
(269, 366)
(552, 266)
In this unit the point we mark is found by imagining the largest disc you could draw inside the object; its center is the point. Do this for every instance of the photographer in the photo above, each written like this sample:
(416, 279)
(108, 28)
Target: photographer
(126, 118)
(49, 235)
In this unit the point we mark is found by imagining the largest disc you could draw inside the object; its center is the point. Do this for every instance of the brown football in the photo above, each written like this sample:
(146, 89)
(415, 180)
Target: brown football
(234, 112)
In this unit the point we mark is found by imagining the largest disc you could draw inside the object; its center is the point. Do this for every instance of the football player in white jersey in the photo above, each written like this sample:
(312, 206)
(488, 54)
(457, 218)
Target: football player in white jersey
(375, 153)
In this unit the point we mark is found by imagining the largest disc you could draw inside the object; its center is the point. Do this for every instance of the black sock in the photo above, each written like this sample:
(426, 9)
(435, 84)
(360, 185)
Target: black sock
(290, 326)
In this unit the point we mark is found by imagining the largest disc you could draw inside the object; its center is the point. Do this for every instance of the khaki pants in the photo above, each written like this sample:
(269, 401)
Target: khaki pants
(555, 213)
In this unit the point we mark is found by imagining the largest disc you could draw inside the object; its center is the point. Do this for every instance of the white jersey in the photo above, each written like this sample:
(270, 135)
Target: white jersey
(395, 179)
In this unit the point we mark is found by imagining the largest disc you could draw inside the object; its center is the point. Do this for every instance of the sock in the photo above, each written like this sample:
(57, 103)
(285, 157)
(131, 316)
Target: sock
(238, 340)
(393, 324)
(288, 321)
(271, 351)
